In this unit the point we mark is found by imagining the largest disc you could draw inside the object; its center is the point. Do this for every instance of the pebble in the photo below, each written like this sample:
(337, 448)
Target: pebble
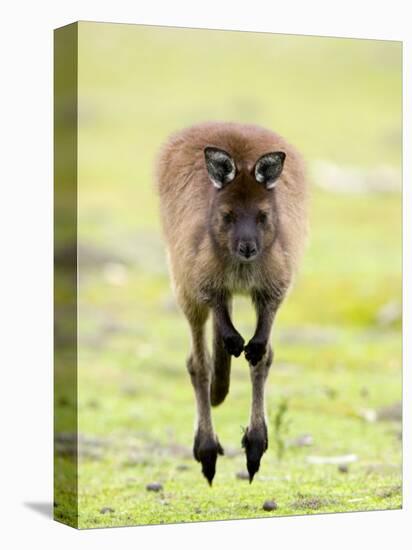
(106, 510)
(156, 487)
(242, 475)
(269, 505)
(343, 468)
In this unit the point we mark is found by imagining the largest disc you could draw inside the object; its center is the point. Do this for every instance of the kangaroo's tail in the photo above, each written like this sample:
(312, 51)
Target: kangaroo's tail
(221, 368)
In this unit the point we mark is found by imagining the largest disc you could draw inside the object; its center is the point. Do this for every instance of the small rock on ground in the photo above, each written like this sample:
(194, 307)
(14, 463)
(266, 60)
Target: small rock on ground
(269, 505)
(106, 510)
(242, 475)
(343, 468)
(156, 487)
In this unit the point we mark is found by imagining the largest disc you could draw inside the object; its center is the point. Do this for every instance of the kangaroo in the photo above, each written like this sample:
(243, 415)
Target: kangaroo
(233, 209)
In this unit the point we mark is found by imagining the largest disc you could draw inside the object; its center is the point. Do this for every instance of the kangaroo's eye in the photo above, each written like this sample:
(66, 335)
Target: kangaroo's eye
(262, 217)
(228, 217)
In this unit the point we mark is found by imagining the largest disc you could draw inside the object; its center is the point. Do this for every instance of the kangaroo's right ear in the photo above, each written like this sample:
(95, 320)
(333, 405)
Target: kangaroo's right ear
(220, 166)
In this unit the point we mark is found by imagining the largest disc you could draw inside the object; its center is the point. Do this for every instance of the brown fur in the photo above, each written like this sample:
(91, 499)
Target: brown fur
(201, 266)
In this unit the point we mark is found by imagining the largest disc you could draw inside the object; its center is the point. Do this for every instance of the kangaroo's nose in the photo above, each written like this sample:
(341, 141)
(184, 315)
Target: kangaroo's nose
(247, 249)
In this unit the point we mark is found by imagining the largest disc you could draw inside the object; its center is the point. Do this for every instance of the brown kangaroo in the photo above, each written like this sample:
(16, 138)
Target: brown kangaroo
(233, 207)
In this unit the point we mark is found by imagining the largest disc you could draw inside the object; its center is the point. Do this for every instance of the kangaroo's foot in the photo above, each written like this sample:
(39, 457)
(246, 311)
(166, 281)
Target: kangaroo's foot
(205, 450)
(255, 443)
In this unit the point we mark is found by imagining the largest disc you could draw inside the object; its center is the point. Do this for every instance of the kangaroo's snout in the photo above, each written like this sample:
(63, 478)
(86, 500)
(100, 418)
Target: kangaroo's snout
(247, 250)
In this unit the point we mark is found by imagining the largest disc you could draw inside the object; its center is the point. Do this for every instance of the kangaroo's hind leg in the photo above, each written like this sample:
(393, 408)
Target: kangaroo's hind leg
(259, 354)
(255, 438)
(206, 444)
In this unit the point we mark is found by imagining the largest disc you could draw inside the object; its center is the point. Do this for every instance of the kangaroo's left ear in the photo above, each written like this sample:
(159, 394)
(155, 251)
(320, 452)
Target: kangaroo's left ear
(220, 166)
(268, 168)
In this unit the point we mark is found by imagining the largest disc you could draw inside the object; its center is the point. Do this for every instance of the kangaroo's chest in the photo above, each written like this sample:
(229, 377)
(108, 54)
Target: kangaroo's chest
(241, 278)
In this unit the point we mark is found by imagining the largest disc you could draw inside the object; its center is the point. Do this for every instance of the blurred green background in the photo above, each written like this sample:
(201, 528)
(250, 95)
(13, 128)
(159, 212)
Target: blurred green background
(335, 387)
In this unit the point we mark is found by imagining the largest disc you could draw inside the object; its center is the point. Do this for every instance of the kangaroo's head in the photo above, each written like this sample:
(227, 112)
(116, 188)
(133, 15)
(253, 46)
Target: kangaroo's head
(243, 217)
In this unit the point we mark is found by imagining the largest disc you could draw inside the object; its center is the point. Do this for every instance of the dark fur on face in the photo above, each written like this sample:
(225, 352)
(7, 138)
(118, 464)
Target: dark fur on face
(243, 219)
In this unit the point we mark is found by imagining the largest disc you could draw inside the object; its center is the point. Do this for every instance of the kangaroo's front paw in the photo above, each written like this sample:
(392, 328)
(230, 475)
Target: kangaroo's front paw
(205, 451)
(255, 351)
(234, 344)
(255, 443)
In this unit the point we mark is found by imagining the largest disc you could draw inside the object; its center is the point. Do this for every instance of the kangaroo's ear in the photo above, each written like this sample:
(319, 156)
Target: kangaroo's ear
(268, 168)
(220, 166)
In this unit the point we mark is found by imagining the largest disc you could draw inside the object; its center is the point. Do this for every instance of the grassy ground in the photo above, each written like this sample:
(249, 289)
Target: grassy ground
(335, 365)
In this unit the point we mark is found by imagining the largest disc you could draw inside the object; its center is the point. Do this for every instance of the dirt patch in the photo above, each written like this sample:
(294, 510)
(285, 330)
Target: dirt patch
(304, 502)
(390, 491)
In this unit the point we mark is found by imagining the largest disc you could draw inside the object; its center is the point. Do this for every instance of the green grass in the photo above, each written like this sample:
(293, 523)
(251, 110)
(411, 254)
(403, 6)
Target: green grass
(335, 99)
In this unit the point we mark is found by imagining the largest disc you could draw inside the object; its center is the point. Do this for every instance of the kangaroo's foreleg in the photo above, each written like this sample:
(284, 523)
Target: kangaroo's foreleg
(232, 340)
(259, 344)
